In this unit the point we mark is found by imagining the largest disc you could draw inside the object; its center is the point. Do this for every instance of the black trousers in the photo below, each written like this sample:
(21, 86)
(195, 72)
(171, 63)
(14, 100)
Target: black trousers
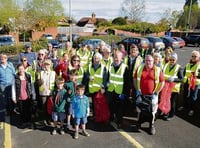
(25, 110)
(116, 106)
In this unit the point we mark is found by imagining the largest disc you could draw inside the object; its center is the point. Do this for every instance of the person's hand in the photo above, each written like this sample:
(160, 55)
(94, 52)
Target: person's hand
(122, 96)
(102, 90)
(91, 78)
(138, 93)
(154, 96)
(69, 91)
(170, 79)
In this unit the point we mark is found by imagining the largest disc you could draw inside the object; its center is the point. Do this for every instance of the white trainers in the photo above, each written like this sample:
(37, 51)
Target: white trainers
(180, 108)
(191, 113)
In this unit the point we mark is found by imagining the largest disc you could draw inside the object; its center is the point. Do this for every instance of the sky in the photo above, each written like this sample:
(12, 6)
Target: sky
(110, 9)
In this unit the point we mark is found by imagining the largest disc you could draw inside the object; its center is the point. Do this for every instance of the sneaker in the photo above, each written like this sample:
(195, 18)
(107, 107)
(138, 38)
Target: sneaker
(76, 135)
(191, 113)
(85, 134)
(180, 108)
(152, 130)
(62, 131)
(54, 132)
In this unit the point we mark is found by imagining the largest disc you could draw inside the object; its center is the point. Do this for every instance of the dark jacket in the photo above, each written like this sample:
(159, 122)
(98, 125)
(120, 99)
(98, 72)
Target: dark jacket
(18, 85)
(60, 106)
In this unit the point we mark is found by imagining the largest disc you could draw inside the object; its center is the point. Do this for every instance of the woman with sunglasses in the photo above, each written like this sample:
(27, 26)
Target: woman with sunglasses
(75, 64)
(173, 73)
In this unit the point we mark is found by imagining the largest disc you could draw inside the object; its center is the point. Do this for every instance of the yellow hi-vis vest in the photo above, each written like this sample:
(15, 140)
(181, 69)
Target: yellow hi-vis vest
(84, 57)
(95, 85)
(157, 75)
(188, 72)
(80, 74)
(173, 73)
(51, 81)
(108, 64)
(116, 80)
(138, 61)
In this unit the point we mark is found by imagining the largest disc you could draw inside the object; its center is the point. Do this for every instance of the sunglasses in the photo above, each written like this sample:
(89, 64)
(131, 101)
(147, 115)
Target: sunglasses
(76, 60)
(171, 59)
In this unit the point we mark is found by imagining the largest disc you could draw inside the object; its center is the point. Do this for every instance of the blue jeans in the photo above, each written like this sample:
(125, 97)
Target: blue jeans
(190, 96)
(5, 100)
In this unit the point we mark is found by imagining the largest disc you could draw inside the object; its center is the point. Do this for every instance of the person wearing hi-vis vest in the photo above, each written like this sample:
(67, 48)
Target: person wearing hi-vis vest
(46, 87)
(173, 72)
(149, 81)
(96, 75)
(191, 82)
(117, 90)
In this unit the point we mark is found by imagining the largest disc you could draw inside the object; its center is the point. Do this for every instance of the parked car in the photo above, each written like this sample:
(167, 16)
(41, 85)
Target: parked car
(156, 42)
(170, 42)
(180, 41)
(62, 37)
(47, 36)
(55, 43)
(7, 40)
(141, 42)
(192, 39)
(94, 42)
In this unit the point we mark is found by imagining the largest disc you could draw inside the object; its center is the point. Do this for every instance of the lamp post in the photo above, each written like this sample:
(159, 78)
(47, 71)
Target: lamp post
(70, 22)
(189, 16)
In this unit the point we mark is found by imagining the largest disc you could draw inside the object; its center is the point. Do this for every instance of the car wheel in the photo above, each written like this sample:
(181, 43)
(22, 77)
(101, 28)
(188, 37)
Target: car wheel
(196, 44)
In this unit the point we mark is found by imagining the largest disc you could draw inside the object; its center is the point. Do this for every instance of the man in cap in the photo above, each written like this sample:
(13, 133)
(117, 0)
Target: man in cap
(173, 73)
(30, 55)
(191, 82)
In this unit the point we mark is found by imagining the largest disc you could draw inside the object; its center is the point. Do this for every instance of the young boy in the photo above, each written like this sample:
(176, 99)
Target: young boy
(80, 110)
(70, 87)
(59, 99)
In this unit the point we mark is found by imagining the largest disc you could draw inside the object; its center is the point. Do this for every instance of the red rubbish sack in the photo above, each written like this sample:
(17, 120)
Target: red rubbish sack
(50, 105)
(165, 95)
(101, 109)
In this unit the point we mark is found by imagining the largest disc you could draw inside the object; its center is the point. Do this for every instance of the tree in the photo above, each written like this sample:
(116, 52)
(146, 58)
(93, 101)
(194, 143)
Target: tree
(133, 9)
(170, 18)
(119, 21)
(190, 17)
(9, 12)
(44, 13)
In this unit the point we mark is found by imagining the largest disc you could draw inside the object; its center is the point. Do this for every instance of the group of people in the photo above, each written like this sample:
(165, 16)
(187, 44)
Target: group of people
(61, 80)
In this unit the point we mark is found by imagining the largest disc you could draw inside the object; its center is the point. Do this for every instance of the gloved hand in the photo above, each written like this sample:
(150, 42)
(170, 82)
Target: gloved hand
(102, 90)
(122, 96)
(91, 78)
(170, 79)
(138, 93)
(154, 96)
(68, 100)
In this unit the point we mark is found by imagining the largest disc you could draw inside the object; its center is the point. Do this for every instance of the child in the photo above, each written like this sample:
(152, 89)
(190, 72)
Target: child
(59, 99)
(80, 110)
(70, 87)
